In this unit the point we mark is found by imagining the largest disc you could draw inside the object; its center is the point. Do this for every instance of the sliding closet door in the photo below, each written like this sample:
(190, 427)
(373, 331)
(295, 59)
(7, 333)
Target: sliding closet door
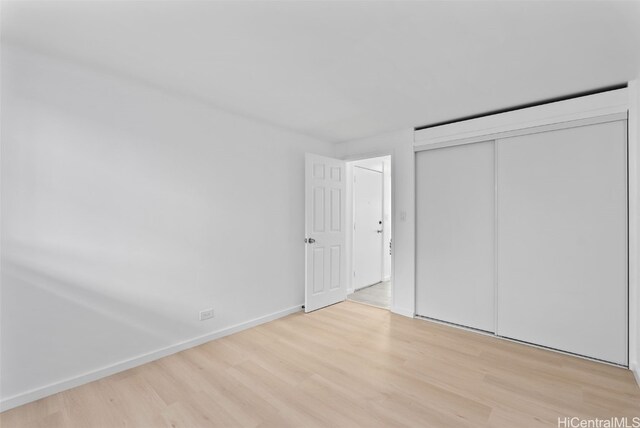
(455, 235)
(562, 240)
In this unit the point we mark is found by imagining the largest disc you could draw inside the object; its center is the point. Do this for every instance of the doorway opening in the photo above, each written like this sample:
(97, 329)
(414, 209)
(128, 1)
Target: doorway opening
(369, 237)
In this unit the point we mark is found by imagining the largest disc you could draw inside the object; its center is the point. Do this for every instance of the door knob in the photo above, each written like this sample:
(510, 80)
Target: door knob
(379, 231)
(309, 241)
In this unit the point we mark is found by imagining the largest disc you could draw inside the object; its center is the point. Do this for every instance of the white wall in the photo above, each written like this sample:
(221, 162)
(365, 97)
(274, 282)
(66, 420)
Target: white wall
(399, 145)
(126, 211)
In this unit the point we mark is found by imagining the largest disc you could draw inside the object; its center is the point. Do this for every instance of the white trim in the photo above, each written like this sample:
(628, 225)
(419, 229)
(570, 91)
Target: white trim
(394, 220)
(37, 393)
(633, 142)
(602, 104)
(402, 311)
(524, 131)
(496, 287)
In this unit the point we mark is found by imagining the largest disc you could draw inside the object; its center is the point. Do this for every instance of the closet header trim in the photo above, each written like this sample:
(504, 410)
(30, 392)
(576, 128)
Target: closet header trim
(601, 107)
(525, 131)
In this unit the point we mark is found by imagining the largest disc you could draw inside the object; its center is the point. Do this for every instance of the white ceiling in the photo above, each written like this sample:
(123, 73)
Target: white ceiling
(342, 70)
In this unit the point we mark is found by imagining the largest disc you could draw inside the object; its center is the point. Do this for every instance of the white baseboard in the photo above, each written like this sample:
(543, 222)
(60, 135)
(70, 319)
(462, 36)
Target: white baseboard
(41, 392)
(366, 286)
(636, 373)
(402, 311)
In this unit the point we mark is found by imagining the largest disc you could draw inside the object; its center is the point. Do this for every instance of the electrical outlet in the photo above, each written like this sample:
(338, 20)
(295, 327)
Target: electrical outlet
(206, 314)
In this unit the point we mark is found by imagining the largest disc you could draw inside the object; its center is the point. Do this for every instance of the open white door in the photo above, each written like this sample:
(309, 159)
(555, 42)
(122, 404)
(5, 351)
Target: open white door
(324, 232)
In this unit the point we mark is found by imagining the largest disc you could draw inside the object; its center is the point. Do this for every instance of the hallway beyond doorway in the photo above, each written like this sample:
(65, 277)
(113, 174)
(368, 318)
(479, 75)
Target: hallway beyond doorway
(378, 295)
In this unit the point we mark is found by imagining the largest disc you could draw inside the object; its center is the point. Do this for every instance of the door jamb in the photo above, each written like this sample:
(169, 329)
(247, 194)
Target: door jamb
(377, 154)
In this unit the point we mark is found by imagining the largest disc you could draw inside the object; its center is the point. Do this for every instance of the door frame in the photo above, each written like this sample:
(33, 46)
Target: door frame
(353, 219)
(363, 156)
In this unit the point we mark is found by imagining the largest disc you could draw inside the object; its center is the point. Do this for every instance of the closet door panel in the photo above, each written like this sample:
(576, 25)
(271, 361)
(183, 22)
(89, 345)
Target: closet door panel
(562, 240)
(455, 235)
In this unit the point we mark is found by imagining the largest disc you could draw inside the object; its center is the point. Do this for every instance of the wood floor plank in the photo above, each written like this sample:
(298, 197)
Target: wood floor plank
(343, 366)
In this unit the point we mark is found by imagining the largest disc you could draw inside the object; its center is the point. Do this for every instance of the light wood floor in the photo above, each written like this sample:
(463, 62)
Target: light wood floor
(347, 365)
